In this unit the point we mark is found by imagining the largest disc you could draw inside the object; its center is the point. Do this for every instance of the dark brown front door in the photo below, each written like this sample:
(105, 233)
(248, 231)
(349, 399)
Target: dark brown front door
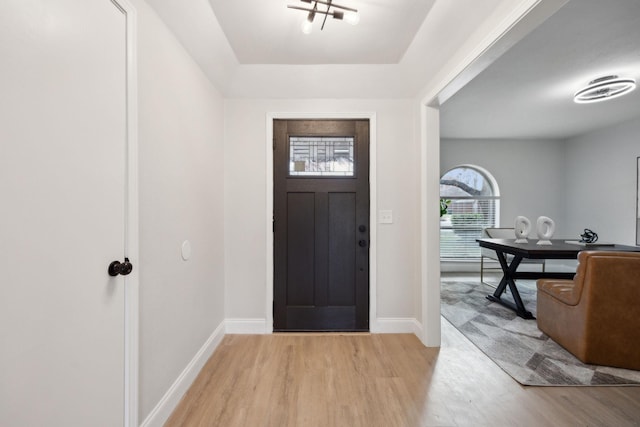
(321, 225)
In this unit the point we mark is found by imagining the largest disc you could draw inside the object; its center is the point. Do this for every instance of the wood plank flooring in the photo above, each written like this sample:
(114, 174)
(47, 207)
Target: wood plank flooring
(382, 380)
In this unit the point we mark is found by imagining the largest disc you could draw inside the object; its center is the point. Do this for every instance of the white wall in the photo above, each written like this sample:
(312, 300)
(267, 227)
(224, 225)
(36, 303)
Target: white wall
(588, 181)
(601, 182)
(530, 175)
(246, 200)
(181, 197)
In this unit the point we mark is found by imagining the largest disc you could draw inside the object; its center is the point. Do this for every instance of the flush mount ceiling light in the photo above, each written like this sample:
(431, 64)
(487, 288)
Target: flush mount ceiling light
(347, 14)
(604, 88)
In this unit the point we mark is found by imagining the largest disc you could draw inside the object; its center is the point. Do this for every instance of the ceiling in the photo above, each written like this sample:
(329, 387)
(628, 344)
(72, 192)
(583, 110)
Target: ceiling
(527, 93)
(267, 32)
(256, 49)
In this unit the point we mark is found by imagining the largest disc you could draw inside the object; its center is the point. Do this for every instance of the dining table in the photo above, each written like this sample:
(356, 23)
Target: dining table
(510, 254)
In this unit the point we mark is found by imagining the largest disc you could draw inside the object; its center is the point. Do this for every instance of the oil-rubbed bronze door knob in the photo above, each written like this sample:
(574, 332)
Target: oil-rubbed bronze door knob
(121, 268)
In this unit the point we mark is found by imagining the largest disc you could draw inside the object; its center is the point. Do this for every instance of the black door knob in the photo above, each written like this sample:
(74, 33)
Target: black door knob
(126, 267)
(122, 268)
(362, 228)
(362, 243)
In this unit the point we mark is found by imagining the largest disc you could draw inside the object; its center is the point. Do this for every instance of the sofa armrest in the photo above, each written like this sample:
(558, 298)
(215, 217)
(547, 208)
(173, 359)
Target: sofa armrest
(566, 291)
(562, 290)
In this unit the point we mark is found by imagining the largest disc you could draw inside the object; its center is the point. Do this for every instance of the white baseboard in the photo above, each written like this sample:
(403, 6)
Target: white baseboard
(417, 329)
(161, 413)
(388, 325)
(397, 325)
(246, 326)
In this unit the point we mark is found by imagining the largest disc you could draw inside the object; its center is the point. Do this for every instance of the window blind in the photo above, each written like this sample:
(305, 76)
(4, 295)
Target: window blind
(463, 224)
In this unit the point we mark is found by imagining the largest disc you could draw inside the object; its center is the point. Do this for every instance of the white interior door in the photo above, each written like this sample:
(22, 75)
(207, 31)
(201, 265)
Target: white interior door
(62, 193)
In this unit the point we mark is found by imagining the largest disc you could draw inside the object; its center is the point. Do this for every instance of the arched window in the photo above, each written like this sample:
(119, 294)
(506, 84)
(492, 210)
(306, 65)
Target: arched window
(474, 204)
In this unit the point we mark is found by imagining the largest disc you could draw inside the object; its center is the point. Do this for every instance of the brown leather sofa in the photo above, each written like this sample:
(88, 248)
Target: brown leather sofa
(596, 316)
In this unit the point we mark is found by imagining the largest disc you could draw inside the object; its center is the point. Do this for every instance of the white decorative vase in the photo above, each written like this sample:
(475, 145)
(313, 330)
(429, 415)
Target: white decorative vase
(545, 227)
(522, 229)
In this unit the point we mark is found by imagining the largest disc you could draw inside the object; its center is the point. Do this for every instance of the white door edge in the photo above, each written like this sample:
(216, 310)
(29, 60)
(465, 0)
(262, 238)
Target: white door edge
(131, 249)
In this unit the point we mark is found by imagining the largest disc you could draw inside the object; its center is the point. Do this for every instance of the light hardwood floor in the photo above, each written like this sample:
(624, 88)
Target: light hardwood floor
(382, 380)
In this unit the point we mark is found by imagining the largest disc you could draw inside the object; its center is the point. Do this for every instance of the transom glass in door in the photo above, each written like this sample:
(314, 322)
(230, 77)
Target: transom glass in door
(63, 130)
(321, 225)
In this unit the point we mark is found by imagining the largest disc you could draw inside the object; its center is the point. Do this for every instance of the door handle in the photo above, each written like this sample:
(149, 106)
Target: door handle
(362, 243)
(122, 268)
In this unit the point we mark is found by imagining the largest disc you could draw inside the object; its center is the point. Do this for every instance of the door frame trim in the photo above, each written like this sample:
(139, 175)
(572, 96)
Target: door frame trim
(371, 116)
(524, 17)
(131, 232)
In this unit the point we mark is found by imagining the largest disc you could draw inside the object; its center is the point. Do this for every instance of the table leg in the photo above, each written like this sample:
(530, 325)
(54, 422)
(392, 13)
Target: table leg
(509, 271)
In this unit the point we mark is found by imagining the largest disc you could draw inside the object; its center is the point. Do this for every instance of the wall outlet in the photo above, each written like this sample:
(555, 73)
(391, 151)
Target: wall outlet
(386, 217)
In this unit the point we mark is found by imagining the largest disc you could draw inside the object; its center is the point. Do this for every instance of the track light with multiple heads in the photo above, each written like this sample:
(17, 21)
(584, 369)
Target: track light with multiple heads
(336, 11)
(604, 88)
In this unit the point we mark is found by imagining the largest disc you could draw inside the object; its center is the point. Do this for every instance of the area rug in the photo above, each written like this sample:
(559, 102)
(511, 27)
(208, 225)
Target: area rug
(516, 344)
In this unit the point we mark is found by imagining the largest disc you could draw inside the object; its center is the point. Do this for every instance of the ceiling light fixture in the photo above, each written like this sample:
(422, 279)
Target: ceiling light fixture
(347, 14)
(604, 88)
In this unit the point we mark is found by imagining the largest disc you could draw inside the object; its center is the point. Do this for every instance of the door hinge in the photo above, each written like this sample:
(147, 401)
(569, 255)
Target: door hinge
(273, 225)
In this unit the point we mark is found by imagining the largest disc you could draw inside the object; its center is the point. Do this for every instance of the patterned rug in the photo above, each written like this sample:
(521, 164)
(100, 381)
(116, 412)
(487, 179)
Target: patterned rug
(516, 344)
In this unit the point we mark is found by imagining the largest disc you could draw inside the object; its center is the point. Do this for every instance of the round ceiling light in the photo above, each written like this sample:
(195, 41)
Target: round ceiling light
(604, 88)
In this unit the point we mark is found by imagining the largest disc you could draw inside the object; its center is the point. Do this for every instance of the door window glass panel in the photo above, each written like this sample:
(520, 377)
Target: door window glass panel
(321, 156)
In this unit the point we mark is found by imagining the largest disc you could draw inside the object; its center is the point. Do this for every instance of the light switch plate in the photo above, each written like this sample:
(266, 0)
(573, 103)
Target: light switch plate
(386, 217)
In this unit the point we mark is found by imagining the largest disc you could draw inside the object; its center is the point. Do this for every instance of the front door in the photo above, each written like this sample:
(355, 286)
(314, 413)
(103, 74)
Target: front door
(321, 225)
(63, 128)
